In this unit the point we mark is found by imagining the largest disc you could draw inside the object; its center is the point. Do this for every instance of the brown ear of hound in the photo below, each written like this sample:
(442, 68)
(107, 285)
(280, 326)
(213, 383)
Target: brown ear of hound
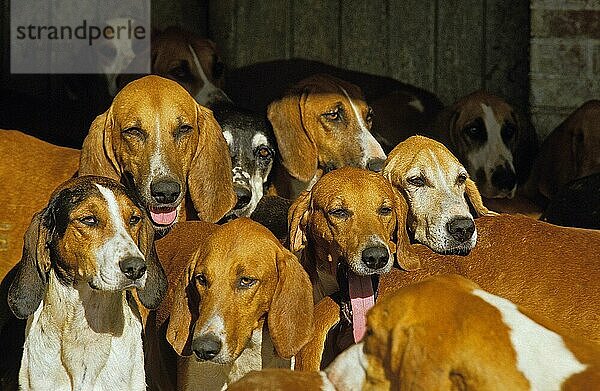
(308, 122)
(30, 170)
(517, 264)
(237, 280)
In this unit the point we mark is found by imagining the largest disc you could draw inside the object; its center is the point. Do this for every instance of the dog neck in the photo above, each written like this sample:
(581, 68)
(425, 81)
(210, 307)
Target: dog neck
(80, 339)
(258, 354)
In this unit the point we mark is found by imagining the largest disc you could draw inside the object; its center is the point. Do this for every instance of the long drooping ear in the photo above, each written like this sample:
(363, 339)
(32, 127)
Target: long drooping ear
(290, 317)
(29, 286)
(184, 313)
(297, 219)
(475, 200)
(298, 151)
(97, 153)
(209, 178)
(406, 258)
(156, 281)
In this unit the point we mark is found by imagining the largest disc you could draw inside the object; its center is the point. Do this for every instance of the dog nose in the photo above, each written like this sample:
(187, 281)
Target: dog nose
(206, 347)
(165, 192)
(375, 257)
(461, 228)
(375, 164)
(133, 267)
(243, 197)
(504, 178)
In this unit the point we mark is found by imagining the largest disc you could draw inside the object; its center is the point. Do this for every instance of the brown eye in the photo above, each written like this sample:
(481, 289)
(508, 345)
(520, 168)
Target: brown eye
(201, 279)
(90, 221)
(263, 152)
(334, 115)
(462, 178)
(385, 211)
(134, 132)
(133, 220)
(340, 213)
(418, 181)
(183, 130)
(246, 282)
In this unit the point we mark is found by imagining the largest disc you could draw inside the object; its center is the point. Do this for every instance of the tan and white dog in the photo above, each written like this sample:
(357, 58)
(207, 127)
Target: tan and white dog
(82, 252)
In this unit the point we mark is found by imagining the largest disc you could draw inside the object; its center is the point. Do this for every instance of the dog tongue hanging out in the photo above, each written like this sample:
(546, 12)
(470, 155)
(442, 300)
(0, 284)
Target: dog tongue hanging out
(163, 216)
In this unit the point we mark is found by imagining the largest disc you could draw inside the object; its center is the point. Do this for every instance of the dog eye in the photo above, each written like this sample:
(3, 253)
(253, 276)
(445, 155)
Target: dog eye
(418, 181)
(462, 178)
(134, 131)
(182, 130)
(385, 211)
(334, 115)
(340, 213)
(90, 221)
(263, 152)
(201, 279)
(133, 220)
(246, 282)
(508, 131)
(369, 115)
(181, 72)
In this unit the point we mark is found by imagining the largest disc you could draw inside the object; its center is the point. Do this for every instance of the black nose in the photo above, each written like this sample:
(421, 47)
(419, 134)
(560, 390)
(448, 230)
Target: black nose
(206, 347)
(133, 267)
(461, 228)
(164, 191)
(375, 257)
(243, 197)
(375, 164)
(504, 178)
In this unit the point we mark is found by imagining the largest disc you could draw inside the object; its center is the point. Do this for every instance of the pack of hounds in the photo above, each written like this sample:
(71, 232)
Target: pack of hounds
(311, 228)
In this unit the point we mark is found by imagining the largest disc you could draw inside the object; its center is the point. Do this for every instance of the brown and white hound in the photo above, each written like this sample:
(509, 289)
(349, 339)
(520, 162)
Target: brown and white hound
(491, 139)
(237, 301)
(82, 252)
(323, 123)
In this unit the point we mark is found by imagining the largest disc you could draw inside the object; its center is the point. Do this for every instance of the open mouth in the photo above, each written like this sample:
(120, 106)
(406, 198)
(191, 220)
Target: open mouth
(362, 294)
(163, 215)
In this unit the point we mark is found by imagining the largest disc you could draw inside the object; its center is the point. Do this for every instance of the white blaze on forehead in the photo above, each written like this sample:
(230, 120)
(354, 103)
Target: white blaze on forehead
(370, 146)
(542, 355)
(209, 92)
(259, 139)
(157, 165)
(228, 138)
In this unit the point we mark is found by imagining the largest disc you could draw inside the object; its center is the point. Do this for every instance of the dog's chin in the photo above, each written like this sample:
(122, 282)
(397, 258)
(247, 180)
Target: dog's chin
(97, 283)
(450, 248)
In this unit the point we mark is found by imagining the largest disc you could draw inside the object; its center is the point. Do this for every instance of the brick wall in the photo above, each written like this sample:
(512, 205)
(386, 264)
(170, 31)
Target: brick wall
(565, 58)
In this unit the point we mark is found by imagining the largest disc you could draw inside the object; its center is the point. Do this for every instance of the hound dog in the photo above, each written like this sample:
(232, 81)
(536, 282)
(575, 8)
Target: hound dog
(570, 152)
(82, 252)
(491, 139)
(323, 123)
(547, 270)
(446, 333)
(237, 301)
(253, 150)
(188, 59)
(439, 194)
(346, 228)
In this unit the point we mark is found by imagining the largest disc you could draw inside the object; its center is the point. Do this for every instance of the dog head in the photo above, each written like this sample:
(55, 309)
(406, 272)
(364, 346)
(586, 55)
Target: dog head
(164, 145)
(252, 149)
(324, 122)
(436, 187)
(237, 278)
(490, 138)
(92, 232)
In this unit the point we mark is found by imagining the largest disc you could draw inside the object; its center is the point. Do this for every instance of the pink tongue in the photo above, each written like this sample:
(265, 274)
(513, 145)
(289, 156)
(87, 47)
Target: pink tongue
(163, 217)
(362, 299)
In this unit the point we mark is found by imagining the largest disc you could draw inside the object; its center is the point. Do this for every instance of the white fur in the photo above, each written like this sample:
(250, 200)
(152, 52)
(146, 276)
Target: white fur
(216, 325)
(259, 139)
(113, 66)
(492, 154)
(370, 146)
(158, 166)
(82, 339)
(542, 356)
(228, 138)
(209, 93)
(119, 246)
(417, 104)
(349, 370)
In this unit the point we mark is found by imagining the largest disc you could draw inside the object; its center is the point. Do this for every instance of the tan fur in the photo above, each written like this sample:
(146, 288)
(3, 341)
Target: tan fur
(223, 255)
(30, 170)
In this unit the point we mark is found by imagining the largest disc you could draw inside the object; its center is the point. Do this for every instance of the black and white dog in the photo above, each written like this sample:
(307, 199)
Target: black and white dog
(252, 147)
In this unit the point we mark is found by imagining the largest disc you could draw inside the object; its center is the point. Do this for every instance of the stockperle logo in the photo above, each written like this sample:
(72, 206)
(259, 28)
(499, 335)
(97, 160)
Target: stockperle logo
(80, 36)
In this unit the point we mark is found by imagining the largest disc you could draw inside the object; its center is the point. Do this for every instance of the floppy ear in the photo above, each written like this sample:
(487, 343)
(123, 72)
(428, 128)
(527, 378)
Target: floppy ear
(297, 216)
(474, 198)
(209, 179)
(298, 151)
(156, 281)
(97, 154)
(290, 317)
(29, 286)
(184, 311)
(406, 258)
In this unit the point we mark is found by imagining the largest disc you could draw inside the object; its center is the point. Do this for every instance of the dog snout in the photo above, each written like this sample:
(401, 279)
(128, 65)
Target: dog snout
(504, 177)
(461, 228)
(375, 257)
(375, 164)
(206, 347)
(165, 191)
(133, 267)
(244, 195)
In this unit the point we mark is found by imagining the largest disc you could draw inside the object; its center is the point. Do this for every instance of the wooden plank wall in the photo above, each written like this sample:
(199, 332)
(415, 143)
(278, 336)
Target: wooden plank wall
(450, 47)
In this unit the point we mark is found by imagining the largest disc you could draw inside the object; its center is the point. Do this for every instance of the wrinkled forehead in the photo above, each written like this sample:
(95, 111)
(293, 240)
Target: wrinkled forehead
(434, 160)
(478, 108)
(351, 190)
(146, 110)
